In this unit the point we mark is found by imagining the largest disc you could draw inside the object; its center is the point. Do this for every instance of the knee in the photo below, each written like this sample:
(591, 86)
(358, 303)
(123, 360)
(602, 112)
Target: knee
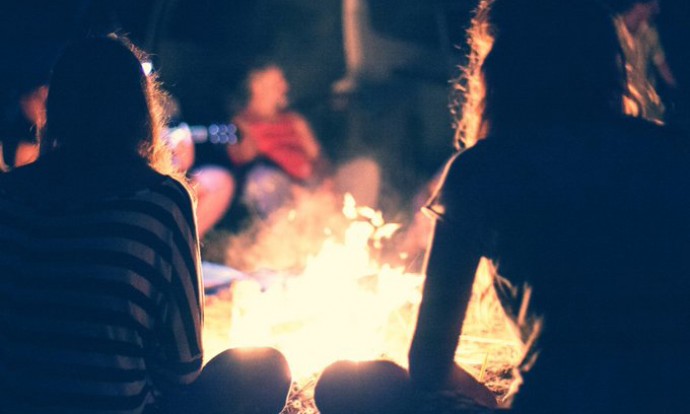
(251, 380)
(215, 180)
(264, 179)
(363, 388)
(267, 189)
(225, 183)
(267, 364)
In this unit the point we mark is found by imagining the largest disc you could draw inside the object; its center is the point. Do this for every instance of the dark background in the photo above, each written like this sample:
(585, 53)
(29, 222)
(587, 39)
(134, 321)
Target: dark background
(201, 49)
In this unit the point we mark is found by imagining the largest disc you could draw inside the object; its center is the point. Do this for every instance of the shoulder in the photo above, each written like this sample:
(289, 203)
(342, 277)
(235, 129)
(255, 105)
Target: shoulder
(649, 33)
(174, 187)
(462, 181)
(472, 163)
(294, 117)
(169, 202)
(177, 195)
(247, 119)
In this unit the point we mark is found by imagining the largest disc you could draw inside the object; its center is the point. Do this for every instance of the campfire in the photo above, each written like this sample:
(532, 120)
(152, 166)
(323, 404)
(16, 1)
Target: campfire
(324, 292)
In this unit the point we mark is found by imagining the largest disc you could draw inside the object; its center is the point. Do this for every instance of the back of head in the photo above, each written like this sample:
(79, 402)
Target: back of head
(622, 6)
(99, 105)
(537, 61)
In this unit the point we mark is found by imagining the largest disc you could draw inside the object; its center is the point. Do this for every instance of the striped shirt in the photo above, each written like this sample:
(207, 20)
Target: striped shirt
(100, 298)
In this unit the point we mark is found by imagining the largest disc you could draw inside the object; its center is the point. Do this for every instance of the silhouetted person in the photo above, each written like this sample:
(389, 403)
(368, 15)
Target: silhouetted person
(101, 295)
(644, 55)
(560, 191)
(20, 125)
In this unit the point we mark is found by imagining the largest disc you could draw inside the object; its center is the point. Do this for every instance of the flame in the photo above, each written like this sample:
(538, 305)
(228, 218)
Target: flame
(345, 304)
(339, 307)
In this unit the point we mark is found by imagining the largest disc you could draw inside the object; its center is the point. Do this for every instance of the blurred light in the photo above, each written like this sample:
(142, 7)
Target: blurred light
(147, 67)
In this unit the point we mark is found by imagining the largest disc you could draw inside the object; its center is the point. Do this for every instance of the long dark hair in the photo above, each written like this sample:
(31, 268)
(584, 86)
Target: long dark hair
(103, 107)
(539, 61)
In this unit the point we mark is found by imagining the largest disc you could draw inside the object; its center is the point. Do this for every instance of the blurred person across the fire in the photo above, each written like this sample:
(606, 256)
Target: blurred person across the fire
(560, 191)
(102, 298)
(644, 55)
(22, 119)
(281, 153)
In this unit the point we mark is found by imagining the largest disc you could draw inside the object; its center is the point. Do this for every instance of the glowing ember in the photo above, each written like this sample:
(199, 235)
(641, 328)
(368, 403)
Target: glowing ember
(344, 304)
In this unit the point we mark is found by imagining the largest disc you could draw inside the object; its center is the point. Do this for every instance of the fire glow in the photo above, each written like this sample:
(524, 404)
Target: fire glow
(345, 304)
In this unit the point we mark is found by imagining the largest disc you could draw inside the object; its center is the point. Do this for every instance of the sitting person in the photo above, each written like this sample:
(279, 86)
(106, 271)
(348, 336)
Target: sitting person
(18, 134)
(644, 55)
(559, 190)
(215, 189)
(281, 151)
(213, 185)
(102, 300)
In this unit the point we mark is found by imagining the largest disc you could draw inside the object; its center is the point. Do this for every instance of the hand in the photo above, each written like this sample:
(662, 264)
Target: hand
(465, 384)
(245, 151)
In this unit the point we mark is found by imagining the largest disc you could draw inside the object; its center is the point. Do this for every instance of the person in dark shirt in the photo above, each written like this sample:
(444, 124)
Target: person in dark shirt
(560, 190)
(645, 58)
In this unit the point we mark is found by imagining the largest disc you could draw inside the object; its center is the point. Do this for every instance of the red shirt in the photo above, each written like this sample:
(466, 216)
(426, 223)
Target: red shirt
(279, 140)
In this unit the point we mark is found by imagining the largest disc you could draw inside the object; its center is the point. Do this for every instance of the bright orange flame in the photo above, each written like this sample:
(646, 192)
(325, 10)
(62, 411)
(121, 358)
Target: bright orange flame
(346, 305)
(339, 307)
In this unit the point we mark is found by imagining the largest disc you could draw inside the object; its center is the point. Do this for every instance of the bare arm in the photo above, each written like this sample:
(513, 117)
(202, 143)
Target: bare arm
(455, 249)
(666, 74)
(450, 267)
(658, 57)
(246, 150)
(308, 140)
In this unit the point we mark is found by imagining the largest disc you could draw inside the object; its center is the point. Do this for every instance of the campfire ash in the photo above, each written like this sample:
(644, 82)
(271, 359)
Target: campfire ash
(321, 293)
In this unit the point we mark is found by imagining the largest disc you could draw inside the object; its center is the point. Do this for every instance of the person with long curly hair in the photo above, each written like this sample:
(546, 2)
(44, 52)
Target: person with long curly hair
(101, 297)
(561, 191)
